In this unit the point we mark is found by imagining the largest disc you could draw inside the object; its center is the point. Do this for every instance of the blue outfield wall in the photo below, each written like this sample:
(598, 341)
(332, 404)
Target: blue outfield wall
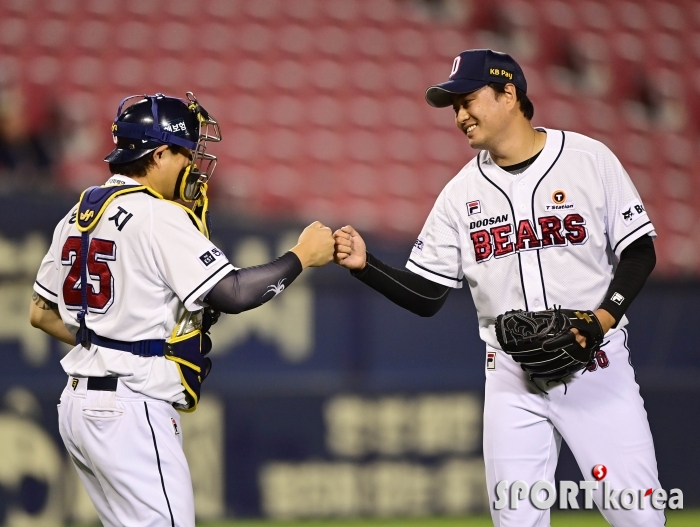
(328, 401)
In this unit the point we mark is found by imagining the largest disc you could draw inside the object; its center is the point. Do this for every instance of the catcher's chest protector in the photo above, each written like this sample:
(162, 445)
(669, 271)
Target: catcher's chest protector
(148, 263)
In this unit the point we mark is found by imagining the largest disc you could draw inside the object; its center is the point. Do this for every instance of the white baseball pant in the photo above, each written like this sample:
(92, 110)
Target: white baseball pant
(601, 416)
(127, 449)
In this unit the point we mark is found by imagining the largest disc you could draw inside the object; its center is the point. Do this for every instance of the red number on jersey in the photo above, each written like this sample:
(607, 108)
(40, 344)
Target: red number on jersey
(599, 359)
(99, 253)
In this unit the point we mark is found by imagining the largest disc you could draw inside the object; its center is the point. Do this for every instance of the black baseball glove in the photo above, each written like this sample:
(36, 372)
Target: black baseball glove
(544, 345)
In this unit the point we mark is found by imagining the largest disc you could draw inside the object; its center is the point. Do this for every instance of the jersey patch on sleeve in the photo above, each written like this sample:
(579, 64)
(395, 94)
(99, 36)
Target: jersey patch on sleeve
(210, 256)
(418, 246)
(632, 211)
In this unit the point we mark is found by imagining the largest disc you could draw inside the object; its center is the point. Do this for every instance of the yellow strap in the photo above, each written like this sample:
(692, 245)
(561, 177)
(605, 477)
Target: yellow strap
(91, 225)
(184, 363)
(173, 338)
(189, 390)
(198, 223)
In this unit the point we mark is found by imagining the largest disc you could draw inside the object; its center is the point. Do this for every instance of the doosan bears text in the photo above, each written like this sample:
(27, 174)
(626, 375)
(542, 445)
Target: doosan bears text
(501, 240)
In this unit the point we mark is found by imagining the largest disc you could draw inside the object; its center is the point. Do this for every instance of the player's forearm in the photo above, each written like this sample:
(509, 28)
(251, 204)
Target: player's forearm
(404, 288)
(44, 316)
(605, 318)
(251, 287)
(636, 264)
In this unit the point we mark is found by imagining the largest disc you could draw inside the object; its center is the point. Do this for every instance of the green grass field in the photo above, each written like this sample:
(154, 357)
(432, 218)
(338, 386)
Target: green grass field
(689, 518)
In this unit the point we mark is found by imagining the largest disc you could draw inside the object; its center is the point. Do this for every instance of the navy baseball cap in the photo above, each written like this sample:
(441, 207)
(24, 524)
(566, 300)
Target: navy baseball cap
(474, 69)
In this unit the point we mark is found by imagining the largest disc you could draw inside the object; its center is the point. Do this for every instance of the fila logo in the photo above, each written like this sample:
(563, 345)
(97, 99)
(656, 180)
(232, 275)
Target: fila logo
(490, 360)
(474, 207)
(617, 298)
(455, 65)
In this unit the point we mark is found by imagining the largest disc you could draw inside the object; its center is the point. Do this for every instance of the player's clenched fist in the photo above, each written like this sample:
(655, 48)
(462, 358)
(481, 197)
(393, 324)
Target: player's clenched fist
(350, 248)
(315, 247)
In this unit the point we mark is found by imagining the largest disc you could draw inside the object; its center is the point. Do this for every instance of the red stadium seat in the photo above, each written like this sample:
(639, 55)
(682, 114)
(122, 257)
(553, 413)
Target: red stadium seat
(323, 98)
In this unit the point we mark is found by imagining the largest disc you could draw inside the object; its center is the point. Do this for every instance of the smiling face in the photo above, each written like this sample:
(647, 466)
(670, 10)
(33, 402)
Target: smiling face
(484, 116)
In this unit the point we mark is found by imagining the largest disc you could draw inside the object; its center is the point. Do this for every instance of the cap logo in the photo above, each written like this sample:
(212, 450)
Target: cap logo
(455, 65)
(495, 72)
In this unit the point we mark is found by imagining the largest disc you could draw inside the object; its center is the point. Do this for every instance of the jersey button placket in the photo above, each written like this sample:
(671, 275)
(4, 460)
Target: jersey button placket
(528, 259)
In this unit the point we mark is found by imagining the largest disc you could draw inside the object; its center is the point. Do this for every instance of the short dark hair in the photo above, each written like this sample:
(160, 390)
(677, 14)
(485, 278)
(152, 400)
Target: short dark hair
(139, 167)
(526, 105)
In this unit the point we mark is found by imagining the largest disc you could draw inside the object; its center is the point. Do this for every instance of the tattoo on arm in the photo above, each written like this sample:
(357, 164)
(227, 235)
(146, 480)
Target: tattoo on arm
(42, 303)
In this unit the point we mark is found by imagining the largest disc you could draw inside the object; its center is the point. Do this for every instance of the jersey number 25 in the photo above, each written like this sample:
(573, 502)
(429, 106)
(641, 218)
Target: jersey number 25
(99, 253)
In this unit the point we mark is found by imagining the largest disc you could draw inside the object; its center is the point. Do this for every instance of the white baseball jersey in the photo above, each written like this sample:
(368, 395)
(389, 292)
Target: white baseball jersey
(551, 235)
(147, 263)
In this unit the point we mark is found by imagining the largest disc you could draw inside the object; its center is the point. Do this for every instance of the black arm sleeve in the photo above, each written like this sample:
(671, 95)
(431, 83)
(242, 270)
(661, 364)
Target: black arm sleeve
(404, 288)
(636, 263)
(251, 287)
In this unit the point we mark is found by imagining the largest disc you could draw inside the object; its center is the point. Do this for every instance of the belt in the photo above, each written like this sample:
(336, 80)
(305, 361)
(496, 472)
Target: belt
(142, 348)
(102, 384)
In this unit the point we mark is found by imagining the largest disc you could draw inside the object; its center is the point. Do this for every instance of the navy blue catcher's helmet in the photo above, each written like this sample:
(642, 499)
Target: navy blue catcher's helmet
(158, 120)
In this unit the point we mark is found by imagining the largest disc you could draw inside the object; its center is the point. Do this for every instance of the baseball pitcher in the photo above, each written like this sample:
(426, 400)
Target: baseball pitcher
(548, 232)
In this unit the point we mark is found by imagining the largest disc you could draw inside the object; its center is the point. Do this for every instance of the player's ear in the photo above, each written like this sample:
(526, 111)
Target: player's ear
(511, 95)
(158, 154)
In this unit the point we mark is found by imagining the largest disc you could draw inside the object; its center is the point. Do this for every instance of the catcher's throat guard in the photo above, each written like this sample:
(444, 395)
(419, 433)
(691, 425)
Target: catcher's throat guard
(544, 345)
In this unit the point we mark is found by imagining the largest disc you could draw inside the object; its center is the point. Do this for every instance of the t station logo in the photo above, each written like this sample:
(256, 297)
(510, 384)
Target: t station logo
(511, 494)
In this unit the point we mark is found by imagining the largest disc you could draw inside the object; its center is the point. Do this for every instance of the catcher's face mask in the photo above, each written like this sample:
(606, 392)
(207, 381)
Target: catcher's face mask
(157, 120)
(193, 179)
